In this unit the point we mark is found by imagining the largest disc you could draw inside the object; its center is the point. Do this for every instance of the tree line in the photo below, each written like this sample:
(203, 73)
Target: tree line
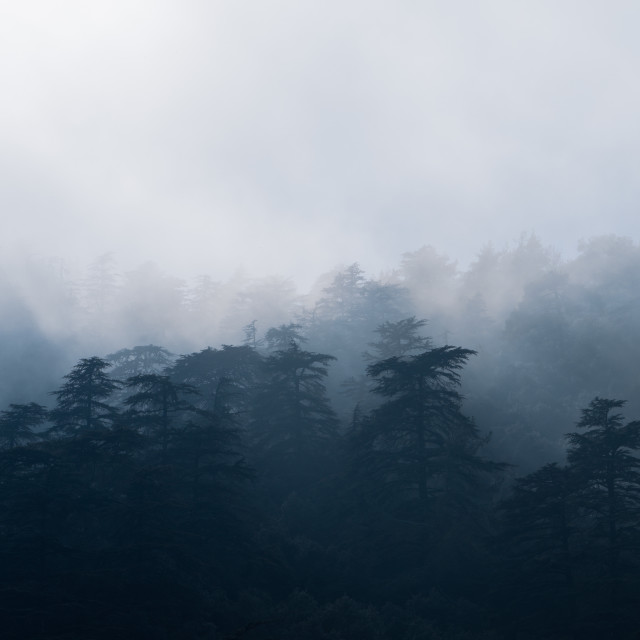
(220, 494)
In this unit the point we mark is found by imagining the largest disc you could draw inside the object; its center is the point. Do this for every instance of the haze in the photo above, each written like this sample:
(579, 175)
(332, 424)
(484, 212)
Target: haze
(288, 137)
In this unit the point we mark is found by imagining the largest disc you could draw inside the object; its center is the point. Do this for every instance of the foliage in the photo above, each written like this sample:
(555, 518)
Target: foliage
(292, 421)
(81, 400)
(17, 424)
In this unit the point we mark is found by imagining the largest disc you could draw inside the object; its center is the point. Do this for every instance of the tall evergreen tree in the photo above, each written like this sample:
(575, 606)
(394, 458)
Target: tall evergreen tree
(398, 338)
(156, 402)
(419, 439)
(292, 420)
(421, 487)
(604, 457)
(81, 401)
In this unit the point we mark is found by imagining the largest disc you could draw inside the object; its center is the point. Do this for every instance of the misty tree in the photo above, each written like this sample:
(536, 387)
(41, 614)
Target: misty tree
(155, 403)
(251, 335)
(431, 279)
(398, 339)
(345, 317)
(394, 339)
(292, 420)
(282, 337)
(17, 424)
(603, 454)
(101, 285)
(418, 445)
(237, 366)
(344, 298)
(81, 401)
(541, 547)
(420, 487)
(140, 360)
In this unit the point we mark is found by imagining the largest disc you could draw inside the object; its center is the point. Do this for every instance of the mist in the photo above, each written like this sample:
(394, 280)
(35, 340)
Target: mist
(551, 332)
(286, 139)
(319, 320)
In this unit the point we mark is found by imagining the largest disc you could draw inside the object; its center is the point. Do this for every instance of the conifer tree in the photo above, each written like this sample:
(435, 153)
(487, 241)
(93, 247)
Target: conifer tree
(604, 457)
(81, 401)
(418, 439)
(292, 420)
(540, 544)
(17, 424)
(156, 402)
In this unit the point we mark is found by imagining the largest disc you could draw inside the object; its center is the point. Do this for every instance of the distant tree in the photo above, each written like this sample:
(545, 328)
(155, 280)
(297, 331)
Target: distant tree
(139, 360)
(282, 337)
(101, 285)
(344, 298)
(343, 320)
(394, 339)
(81, 401)
(18, 422)
(398, 339)
(237, 365)
(430, 277)
(251, 335)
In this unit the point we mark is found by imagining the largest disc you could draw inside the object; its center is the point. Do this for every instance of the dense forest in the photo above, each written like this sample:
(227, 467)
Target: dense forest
(434, 453)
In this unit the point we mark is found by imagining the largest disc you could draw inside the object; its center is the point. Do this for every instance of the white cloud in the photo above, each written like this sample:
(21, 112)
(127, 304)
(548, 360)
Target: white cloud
(288, 136)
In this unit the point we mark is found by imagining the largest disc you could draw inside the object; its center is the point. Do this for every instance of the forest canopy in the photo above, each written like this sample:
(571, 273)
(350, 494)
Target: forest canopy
(361, 461)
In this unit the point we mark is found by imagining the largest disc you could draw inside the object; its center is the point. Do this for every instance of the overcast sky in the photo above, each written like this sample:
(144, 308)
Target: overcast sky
(286, 136)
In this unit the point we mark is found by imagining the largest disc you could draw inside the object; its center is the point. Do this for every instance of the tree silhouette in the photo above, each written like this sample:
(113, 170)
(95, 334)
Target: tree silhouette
(282, 337)
(419, 438)
(540, 544)
(236, 365)
(292, 420)
(603, 455)
(139, 360)
(81, 400)
(398, 339)
(17, 424)
(155, 403)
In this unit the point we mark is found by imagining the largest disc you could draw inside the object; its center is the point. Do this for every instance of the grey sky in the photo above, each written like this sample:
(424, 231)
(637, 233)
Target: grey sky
(287, 136)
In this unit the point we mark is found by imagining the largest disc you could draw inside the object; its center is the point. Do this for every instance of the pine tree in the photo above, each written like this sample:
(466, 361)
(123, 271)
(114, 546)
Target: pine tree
(292, 421)
(237, 366)
(156, 402)
(282, 337)
(398, 339)
(418, 440)
(81, 401)
(139, 360)
(420, 487)
(604, 457)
